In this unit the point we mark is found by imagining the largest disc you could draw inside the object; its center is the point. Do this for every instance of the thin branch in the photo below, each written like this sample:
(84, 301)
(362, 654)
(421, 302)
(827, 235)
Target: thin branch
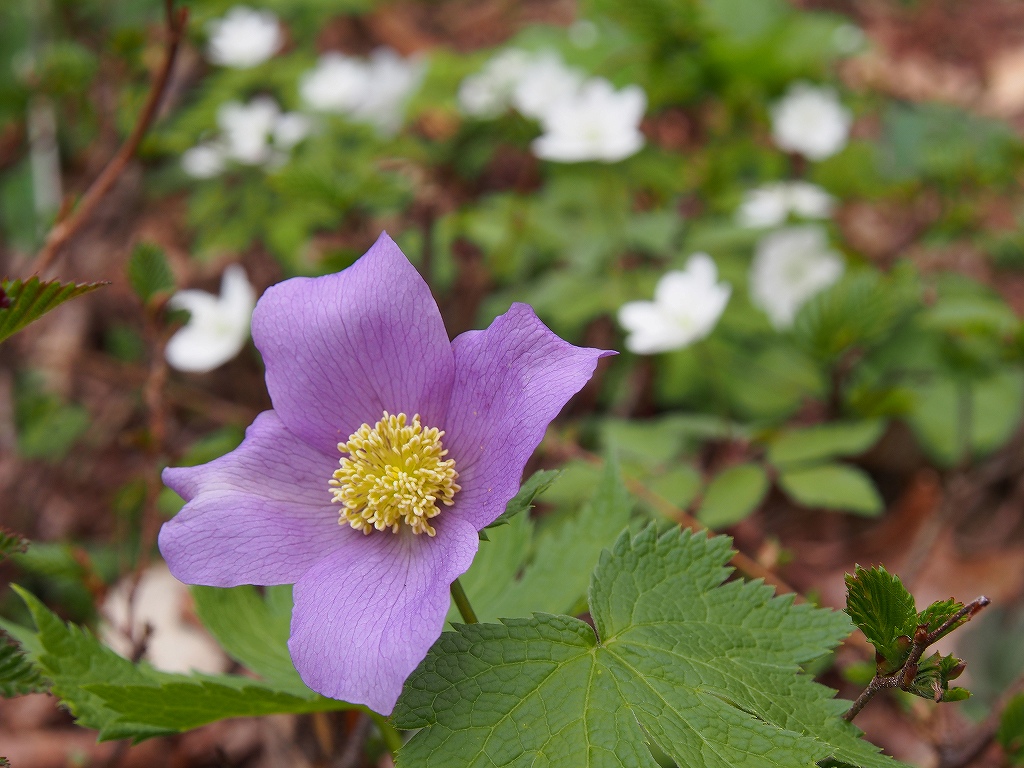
(65, 228)
(903, 677)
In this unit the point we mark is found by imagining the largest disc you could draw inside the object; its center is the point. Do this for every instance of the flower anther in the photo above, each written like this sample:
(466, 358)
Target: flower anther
(395, 472)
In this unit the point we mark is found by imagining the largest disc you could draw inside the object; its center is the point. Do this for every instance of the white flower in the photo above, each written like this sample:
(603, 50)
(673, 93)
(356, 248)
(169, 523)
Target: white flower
(543, 83)
(598, 123)
(337, 84)
(218, 327)
(790, 266)
(258, 133)
(160, 601)
(372, 91)
(489, 92)
(203, 161)
(291, 128)
(811, 121)
(771, 204)
(243, 38)
(686, 307)
(246, 129)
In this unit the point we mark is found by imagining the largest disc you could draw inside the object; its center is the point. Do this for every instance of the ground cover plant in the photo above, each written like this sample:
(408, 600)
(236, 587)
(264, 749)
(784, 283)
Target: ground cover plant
(406, 383)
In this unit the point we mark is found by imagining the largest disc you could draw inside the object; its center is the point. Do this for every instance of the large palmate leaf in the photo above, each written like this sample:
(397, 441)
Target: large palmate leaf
(709, 671)
(28, 300)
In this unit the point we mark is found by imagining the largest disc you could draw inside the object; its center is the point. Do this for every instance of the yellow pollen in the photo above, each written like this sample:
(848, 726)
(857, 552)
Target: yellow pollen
(394, 472)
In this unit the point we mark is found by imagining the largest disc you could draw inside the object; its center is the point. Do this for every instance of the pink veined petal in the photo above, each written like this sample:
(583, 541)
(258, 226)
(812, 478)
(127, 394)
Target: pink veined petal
(342, 349)
(365, 616)
(261, 514)
(511, 380)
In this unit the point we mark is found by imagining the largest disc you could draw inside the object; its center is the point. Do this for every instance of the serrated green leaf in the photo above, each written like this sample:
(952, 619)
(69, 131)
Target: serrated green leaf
(180, 706)
(883, 610)
(31, 299)
(11, 542)
(932, 679)
(733, 495)
(833, 486)
(539, 482)
(709, 671)
(939, 612)
(253, 631)
(148, 272)
(824, 441)
(123, 700)
(1011, 729)
(555, 580)
(17, 674)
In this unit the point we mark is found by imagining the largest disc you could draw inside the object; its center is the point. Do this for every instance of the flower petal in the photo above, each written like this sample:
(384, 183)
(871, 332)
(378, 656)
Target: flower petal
(511, 380)
(366, 615)
(342, 349)
(261, 514)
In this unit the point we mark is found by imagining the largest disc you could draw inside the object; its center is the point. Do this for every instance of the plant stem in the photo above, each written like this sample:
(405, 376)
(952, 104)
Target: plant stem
(392, 738)
(462, 603)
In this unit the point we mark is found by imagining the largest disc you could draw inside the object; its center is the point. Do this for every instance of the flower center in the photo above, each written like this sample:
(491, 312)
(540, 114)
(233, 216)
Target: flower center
(394, 472)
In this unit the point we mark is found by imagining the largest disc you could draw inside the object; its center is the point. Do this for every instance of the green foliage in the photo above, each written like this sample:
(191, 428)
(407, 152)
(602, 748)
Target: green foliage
(1011, 730)
(123, 700)
(253, 629)
(833, 486)
(505, 581)
(31, 299)
(931, 680)
(11, 542)
(47, 426)
(824, 441)
(539, 482)
(17, 675)
(732, 495)
(709, 671)
(149, 273)
(884, 611)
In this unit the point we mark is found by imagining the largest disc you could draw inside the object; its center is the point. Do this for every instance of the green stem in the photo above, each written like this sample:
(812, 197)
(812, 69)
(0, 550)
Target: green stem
(392, 738)
(462, 603)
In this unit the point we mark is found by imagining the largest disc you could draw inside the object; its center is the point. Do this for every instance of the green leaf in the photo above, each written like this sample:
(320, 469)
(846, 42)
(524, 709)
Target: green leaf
(173, 707)
(932, 679)
(1011, 729)
(939, 612)
(884, 611)
(149, 273)
(254, 631)
(539, 482)
(17, 674)
(833, 486)
(124, 700)
(733, 495)
(555, 580)
(824, 441)
(11, 542)
(31, 299)
(709, 671)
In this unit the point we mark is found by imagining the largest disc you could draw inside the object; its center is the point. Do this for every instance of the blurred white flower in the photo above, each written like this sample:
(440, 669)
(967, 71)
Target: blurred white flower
(810, 120)
(257, 133)
(291, 128)
(373, 91)
(203, 161)
(489, 92)
(545, 82)
(771, 204)
(598, 123)
(243, 38)
(246, 129)
(790, 266)
(686, 307)
(218, 327)
(161, 601)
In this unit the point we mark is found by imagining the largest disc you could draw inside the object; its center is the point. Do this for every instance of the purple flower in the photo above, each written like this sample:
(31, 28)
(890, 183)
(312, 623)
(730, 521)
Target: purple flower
(387, 450)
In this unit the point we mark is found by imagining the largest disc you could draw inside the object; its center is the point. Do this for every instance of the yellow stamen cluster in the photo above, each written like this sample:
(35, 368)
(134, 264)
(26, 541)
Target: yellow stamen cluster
(394, 472)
